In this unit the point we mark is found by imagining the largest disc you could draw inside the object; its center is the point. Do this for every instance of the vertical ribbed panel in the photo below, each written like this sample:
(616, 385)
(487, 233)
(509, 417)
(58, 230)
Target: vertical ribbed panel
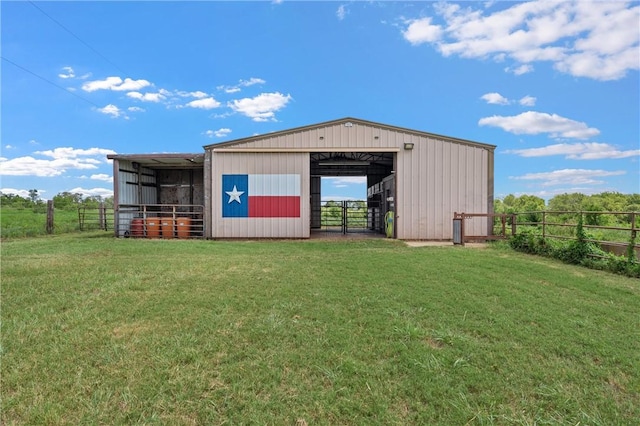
(131, 189)
(261, 164)
(436, 178)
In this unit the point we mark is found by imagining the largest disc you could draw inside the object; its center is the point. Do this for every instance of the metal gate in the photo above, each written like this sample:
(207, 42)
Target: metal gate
(350, 216)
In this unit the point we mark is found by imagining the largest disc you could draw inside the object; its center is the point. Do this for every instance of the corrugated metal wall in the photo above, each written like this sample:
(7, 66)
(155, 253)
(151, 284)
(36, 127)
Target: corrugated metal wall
(436, 178)
(129, 192)
(226, 163)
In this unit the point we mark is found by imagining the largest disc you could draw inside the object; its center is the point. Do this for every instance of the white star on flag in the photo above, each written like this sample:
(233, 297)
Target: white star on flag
(234, 195)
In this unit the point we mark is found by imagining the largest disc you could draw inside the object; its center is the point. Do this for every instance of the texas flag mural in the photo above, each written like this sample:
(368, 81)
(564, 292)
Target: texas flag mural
(261, 195)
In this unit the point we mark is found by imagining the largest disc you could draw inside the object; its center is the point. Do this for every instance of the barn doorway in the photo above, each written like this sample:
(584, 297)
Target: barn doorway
(360, 211)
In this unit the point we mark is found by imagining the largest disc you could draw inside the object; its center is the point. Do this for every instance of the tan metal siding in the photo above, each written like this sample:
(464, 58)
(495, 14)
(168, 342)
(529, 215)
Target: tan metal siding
(259, 163)
(333, 137)
(436, 179)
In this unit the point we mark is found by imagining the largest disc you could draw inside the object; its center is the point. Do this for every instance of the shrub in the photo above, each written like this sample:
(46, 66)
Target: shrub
(578, 252)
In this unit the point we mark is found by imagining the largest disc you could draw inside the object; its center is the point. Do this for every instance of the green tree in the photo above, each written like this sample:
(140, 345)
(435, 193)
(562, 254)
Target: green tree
(529, 206)
(67, 200)
(33, 195)
(595, 203)
(567, 202)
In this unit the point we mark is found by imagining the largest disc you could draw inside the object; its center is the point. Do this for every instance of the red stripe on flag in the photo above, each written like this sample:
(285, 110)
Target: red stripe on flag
(274, 206)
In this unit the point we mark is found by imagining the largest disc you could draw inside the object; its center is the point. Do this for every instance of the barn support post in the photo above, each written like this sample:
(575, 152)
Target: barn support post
(50, 217)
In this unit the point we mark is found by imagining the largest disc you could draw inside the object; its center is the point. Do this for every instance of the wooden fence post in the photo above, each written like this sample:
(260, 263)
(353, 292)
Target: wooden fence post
(50, 217)
(102, 217)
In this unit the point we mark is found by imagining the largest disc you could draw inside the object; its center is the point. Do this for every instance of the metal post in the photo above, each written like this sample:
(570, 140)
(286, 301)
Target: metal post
(344, 217)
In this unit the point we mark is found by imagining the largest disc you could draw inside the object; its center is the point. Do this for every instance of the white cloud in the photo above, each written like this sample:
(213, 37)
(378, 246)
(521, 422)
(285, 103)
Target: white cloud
(60, 160)
(577, 151)
(262, 107)
(527, 101)
(69, 152)
(343, 181)
(112, 110)
(9, 147)
(241, 83)
(220, 133)
(115, 83)
(130, 84)
(135, 109)
(422, 31)
(570, 177)
(196, 94)
(342, 12)
(495, 98)
(102, 176)
(597, 40)
(251, 82)
(102, 192)
(532, 123)
(205, 103)
(67, 72)
(146, 97)
(232, 89)
(520, 70)
(24, 193)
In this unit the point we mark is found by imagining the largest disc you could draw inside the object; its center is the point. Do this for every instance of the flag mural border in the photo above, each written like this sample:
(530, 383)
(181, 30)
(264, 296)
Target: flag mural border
(261, 196)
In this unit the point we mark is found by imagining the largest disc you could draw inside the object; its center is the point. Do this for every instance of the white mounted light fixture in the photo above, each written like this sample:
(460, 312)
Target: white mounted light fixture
(408, 145)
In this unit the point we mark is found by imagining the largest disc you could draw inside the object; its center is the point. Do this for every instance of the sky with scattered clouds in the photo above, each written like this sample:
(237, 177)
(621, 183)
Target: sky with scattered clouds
(555, 85)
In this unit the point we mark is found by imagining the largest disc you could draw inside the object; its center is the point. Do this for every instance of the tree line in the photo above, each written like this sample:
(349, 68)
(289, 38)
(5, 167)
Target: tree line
(530, 206)
(63, 200)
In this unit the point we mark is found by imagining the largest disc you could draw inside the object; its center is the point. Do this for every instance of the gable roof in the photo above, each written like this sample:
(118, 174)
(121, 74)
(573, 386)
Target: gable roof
(346, 120)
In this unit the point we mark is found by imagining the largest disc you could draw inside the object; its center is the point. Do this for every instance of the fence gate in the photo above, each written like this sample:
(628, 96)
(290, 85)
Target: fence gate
(349, 216)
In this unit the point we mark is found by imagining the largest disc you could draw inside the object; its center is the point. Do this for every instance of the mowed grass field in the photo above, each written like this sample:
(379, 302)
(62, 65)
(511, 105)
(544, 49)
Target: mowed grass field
(97, 330)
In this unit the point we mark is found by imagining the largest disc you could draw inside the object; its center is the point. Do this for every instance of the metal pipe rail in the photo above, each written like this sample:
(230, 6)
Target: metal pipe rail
(183, 221)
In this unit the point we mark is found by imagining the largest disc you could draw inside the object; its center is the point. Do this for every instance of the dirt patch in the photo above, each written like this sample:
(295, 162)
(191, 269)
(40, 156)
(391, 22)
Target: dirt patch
(442, 244)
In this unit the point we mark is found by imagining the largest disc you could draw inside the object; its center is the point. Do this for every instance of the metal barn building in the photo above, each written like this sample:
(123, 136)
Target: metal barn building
(269, 186)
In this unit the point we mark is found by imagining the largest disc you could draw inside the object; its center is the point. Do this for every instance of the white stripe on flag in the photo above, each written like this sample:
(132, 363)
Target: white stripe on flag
(274, 185)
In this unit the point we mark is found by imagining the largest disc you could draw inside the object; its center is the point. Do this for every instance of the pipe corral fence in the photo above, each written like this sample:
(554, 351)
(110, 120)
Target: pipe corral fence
(612, 231)
(183, 221)
(494, 233)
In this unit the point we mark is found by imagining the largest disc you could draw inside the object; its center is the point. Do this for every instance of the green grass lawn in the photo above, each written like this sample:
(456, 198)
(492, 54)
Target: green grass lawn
(97, 330)
(30, 222)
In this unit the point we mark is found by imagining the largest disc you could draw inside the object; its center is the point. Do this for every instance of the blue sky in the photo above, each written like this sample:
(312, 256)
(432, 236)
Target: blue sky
(555, 85)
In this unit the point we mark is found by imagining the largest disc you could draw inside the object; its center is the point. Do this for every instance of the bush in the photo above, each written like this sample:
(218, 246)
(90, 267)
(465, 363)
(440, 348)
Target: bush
(577, 252)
